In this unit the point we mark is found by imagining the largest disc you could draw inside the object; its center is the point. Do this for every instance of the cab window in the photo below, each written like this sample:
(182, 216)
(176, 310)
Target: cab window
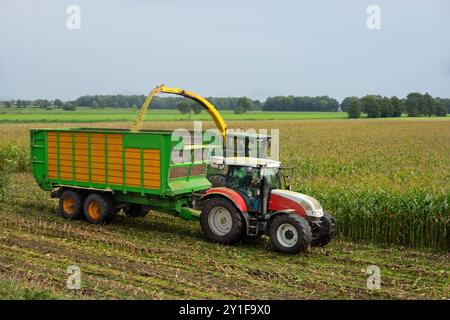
(244, 177)
(273, 178)
(247, 181)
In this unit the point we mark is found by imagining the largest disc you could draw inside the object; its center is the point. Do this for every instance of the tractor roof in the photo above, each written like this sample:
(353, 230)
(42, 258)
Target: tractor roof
(245, 161)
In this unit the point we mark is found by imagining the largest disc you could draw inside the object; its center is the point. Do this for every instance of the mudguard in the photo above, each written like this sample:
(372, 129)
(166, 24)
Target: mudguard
(232, 195)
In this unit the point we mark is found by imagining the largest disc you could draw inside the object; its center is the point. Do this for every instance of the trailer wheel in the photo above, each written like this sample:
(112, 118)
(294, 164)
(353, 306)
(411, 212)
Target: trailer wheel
(71, 204)
(136, 210)
(290, 233)
(221, 221)
(99, 209)
(327, 231)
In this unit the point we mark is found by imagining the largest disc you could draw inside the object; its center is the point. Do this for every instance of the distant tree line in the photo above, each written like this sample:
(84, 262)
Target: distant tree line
(240, 105)
(40, 103)
(126, 101)
(372, 106)
(291, 103)
(414, 105)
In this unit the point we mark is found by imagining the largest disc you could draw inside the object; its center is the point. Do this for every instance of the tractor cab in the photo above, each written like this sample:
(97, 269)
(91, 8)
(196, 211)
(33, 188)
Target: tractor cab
(253, 179)
(252, 203)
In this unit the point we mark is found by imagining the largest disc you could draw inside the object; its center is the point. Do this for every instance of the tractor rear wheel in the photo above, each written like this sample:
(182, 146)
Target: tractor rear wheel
(326, 232)
(99, 208)
(136, 210)
(290, 233)
(221, 221)
(71, 204)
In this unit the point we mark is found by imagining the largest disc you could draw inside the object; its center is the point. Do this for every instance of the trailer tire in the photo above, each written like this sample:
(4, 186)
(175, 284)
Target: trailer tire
(327, 231)
(290, 233)
(99, 208)
(221, 221)
(136, 210)
(71, 204)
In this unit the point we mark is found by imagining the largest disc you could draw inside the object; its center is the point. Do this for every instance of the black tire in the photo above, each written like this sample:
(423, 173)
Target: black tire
(136, 210)
(327, 230)
(302, 228)
(102, 206)
(217, 180)
(71, 204)
(236, 231)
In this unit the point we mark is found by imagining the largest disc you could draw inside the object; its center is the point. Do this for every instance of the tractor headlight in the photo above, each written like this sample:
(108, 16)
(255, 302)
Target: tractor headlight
(318, 213)
(312, 207)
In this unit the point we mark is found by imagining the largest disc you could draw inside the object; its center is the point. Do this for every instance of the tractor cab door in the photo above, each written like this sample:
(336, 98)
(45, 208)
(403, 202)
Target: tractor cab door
(247, 182)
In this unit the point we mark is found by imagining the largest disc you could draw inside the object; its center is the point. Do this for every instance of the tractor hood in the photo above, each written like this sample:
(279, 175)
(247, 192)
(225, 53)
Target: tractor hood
(299, 202)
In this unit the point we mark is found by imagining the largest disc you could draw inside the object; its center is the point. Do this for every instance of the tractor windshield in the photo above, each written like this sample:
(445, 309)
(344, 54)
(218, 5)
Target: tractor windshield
(247, 181)
(244, 178)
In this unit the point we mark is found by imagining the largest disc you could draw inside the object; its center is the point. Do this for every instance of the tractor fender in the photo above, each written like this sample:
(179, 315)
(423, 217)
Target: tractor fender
(228, 193)
(231, 195)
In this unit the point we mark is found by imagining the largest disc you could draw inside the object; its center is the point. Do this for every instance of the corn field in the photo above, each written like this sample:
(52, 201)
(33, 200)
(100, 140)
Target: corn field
(13, 158)
(415, 218)
(386, 181)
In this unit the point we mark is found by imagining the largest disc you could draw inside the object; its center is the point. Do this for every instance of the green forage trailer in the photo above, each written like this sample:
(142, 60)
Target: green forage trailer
(100, 171)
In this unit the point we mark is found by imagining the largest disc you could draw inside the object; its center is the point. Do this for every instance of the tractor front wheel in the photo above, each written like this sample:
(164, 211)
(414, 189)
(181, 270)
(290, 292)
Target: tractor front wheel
(290, 233)
(221, 221)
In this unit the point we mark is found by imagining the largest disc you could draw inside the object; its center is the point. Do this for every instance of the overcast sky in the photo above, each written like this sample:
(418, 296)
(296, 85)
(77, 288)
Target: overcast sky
(224, 48)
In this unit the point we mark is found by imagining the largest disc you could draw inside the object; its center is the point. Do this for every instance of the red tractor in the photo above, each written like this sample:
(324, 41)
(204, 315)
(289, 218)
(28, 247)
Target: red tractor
(251, 203)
